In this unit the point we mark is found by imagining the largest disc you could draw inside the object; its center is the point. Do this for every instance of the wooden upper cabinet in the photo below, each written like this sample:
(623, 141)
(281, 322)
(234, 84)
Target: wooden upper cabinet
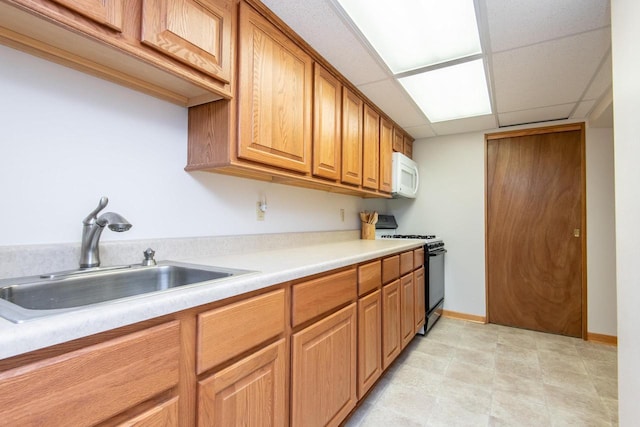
(386, 149)
(370, 148)
(107, 13)
(398, 140)
(327, 113)
(352, 115)
(196, 33)
(275, 90)
(407, 146)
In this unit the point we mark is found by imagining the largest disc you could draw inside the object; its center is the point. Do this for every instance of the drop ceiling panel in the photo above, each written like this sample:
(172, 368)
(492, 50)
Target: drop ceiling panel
(393, 100)
(601, 82)
(555, 112)
(551, 73)
(465, 125)
(317, 22)
(515, 23)
(583, 109)
(418, 132)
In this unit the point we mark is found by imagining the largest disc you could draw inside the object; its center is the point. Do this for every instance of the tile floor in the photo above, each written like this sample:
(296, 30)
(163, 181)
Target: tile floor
(470, 374)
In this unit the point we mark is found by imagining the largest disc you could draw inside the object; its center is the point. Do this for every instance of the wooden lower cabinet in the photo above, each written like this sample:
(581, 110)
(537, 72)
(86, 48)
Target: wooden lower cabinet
(369, 341)
(407, 308)
(420, 302)
(164, 414)
(250, 392)
(323, 383)
(391, 338)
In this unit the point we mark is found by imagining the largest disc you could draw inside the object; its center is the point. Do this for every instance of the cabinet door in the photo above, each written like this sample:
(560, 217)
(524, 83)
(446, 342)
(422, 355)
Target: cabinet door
(407, 309)
(369, 341)
(327, 113)
(407, 147)
(274, 92)
(250, 392)
(196, 33)
(386, 150)
(108, 13)
(391, 343)
(370, 148)
(398, 140)
(324, 370)
(352, 107)
(420, 303)
(164, 414)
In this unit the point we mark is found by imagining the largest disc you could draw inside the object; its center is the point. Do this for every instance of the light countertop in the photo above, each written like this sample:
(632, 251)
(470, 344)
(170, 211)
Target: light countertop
(271, 267)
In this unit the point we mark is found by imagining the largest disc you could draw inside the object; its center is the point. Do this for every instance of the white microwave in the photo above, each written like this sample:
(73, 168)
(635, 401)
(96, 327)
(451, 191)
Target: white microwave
(405, 178)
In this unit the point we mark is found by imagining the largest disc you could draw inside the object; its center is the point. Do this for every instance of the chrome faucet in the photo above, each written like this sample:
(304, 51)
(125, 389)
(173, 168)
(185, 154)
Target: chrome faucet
(92, 229)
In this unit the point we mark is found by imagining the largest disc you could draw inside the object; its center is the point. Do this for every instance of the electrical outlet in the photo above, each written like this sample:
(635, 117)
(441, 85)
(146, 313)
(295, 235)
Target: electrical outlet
(259, 211)
(342, 215)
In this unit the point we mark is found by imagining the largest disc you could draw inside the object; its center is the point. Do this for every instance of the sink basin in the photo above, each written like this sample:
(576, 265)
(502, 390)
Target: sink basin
(30, 297)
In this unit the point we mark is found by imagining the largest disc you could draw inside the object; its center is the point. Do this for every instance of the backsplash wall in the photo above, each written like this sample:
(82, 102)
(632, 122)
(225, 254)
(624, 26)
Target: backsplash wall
(68, 138)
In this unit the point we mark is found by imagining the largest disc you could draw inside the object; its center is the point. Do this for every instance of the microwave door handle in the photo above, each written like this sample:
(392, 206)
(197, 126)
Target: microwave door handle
(415, 187)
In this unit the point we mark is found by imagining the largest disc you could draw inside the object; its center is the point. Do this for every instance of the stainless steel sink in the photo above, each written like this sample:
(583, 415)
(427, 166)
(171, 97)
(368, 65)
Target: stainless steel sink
(31, 297)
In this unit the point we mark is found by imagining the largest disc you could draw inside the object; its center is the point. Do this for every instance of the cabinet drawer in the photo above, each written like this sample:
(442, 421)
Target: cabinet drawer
(369, 277)
(314, 297)
(390, 269)
(406, 262)
(90, 385)
(233, 329)
(418, 258)
(164, 414)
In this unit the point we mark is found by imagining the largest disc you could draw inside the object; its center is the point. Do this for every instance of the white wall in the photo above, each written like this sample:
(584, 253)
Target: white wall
(67, 138)
(451, 204)
(625, 15)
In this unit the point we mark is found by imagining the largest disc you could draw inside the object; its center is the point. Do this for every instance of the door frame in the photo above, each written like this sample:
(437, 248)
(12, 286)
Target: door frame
(583, 231)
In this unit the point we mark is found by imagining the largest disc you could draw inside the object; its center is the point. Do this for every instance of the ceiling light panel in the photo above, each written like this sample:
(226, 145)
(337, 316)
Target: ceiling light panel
(410, 34)
(450, 93)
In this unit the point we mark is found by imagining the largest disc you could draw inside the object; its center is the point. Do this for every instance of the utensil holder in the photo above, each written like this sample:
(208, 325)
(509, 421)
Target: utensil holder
(368, 231)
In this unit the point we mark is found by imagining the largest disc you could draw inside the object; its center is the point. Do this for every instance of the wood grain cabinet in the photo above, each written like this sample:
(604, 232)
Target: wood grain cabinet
(370, 148)
(352, 117)
(420, 302)
(327, 122)
(93, 384)
(324, 370)
(177, 50)
(398, 140)
(386, 150)
(275, 95)
(407, 146)
(407, 309)
(391, 332)
(369, 341)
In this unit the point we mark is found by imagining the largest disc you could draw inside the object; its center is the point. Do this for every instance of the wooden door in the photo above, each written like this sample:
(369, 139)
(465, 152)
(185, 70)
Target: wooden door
(352, 107)
(327, 114)
(324, 370)
(391, 340)
(369, 341)
(420, 302)
(535, 230)
(370, 148)
(250, 392)
(398, 140)
(196, 33)
(108, 13)
(407, 308)
(275, 93)
(386, 150)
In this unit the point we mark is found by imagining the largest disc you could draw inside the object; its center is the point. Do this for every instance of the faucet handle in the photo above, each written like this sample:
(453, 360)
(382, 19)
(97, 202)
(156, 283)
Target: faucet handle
(148, 257)
(94, 213)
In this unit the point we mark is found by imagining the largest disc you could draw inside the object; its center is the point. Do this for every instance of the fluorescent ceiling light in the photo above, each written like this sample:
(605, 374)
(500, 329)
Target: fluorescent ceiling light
(410, 34)
(450, 93)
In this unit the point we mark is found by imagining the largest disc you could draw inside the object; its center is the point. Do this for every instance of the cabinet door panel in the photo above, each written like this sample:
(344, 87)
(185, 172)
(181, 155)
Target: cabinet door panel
(398, 140)
(162, 415)
(324, 370)
(352, 110)
(420, 303)
(369, 341)
(108, 13)
(275, 89)
(250, 392)
(370, 148)
(386, 151)
(407, 309)
(197, 33)
(327, 113)
(391, 340)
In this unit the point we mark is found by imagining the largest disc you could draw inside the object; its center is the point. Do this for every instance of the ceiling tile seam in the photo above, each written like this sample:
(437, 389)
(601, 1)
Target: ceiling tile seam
(538, 108)
(598, 100)
(485, 45)
(552, 39)
(593, 77)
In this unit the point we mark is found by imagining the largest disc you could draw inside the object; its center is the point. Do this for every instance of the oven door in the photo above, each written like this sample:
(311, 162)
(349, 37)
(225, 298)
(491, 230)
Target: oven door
(436, 278)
